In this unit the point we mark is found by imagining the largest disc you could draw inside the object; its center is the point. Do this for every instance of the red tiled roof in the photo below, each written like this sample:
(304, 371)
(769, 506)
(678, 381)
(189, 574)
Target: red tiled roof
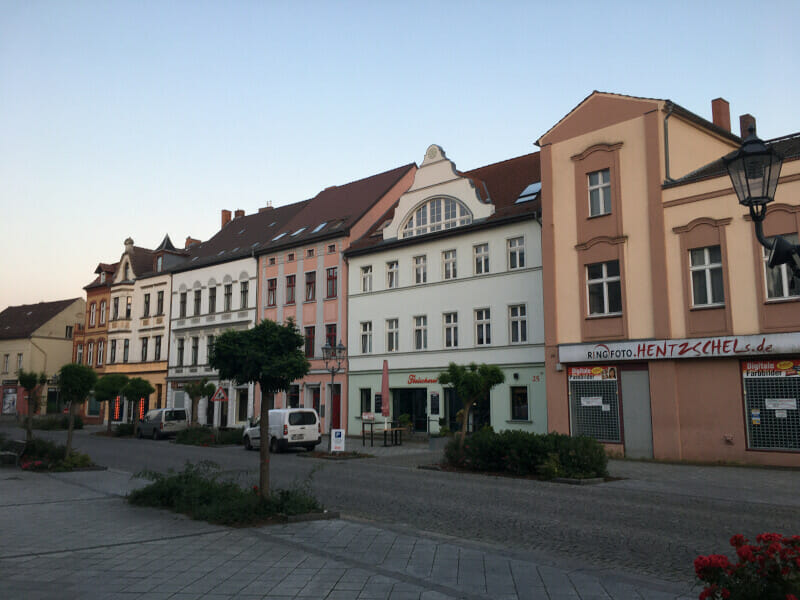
(21, 321)
(500, 183)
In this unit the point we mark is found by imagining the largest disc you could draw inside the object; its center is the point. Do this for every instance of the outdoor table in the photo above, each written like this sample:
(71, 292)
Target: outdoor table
(396, 436)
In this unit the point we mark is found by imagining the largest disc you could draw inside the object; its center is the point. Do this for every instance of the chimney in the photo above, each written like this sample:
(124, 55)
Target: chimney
(266, 208)
(721, 113)
(745, 121)
(226, 217)
(190, 241)
(239, 213)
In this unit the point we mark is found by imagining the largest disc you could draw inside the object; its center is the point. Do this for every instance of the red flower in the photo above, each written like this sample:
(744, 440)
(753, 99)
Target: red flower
(738, 540)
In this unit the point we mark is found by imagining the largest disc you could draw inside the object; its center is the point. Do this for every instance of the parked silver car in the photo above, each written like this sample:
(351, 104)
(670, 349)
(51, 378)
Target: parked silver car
(163, 422)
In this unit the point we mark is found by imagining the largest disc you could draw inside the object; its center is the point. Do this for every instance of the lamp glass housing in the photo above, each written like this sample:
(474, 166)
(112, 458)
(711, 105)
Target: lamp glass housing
(754, 170)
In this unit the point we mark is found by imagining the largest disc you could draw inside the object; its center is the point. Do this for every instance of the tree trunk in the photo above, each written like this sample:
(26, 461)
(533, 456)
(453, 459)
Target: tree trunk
(464, 424)
(108, 415)
(263, 427)
(195, 406)
(29, 419)
(71, 421)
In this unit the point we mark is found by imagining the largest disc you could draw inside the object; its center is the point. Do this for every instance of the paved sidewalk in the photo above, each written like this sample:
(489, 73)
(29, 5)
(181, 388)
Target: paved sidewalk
(71, 536)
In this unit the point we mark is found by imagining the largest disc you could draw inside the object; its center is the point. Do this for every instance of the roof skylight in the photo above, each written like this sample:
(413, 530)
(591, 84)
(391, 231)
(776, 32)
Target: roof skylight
(529, 193)
(319, 227)
(299, 231)
(279, 236)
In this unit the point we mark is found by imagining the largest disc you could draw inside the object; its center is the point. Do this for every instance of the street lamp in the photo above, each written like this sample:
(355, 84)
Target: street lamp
(754, 170)
(333, 356)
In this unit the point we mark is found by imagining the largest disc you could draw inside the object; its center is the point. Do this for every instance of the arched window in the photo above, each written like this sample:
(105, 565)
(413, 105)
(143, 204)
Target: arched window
(435, 215)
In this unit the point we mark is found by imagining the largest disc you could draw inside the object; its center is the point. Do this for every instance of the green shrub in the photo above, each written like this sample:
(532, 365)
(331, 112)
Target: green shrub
(44, 450)
(196, 492)
(51, 422)
(521, 453)
(123, 430)
(196, 436)
(230, 436)
(76, 460)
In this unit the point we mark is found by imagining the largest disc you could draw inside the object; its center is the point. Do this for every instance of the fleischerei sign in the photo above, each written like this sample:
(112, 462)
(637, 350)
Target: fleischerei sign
(710, 347)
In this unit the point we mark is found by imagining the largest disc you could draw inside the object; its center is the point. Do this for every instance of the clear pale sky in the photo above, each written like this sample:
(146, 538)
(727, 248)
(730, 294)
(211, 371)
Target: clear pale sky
(144, 118)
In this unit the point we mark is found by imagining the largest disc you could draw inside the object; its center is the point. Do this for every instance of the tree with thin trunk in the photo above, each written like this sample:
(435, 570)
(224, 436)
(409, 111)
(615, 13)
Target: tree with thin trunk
(268, 354)
(471, 384)
(31, 382)
(136, 391)
(108, 388)
(196, 390)
(76, 383)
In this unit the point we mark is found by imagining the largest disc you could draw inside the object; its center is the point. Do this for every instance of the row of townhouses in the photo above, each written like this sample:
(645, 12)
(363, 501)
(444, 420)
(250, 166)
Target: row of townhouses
(612, 276)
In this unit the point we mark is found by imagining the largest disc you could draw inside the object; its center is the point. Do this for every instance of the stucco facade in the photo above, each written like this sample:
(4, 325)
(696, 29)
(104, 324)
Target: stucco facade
(460, 283)
(646, 332)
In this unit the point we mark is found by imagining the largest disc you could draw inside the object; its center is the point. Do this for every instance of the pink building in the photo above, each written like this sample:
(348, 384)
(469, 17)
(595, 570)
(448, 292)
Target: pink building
(302, 275)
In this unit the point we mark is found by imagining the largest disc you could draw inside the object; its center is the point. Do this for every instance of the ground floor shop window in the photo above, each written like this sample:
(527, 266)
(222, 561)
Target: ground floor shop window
(519, 403)
(293, 397)
(93, 407)
(594, 402)
(771, 396)
(366, 400)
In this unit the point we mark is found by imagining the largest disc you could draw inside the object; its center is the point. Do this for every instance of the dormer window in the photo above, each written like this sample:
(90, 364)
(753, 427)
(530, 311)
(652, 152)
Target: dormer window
(102, 276)
(127, 272)
(435, 215)
(159, 264)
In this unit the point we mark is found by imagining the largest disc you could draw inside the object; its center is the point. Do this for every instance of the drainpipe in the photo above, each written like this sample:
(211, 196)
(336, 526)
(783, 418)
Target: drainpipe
(670, 108)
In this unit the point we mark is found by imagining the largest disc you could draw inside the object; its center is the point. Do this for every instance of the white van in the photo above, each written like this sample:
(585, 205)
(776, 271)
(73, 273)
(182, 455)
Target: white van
(163, 422)
(288, 428)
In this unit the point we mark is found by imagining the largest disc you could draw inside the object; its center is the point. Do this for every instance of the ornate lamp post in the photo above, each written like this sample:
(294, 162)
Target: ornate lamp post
(754, 170)
(333, 356)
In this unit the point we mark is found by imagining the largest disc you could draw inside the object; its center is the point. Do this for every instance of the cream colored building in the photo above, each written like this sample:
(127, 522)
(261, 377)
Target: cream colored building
(35, 337)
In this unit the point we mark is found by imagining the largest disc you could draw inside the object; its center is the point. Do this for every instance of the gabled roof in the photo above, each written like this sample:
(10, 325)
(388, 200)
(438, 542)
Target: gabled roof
(787, 146)
(334, 210)
(166, 245)
(330, 213)
(609, 117)
(22, 321)
(501, 183)
(141, 260)
(239, 238)
(109, 270)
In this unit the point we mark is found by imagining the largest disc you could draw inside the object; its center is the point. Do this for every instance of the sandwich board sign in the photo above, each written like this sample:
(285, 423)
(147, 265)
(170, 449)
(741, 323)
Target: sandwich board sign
(219, 395)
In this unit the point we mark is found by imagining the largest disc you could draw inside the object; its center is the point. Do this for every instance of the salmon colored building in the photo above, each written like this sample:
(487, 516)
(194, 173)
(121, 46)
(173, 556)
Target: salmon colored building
(90, 340)
(302, 274)
(667, 336)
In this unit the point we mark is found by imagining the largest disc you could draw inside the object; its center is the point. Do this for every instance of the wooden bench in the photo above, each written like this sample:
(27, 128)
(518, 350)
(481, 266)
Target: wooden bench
(14, 448)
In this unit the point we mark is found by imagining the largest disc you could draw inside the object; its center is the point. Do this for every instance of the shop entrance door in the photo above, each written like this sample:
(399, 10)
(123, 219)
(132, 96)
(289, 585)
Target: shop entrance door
(411, 402)
(635, 388)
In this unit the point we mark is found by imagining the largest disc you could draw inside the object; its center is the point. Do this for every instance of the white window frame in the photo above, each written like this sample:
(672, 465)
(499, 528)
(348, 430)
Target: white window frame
(516, 252)
(366, 337)
(392, 274)
(92, 314)
(783, 271)
(420, 269)
(603, 189)
(436, 214)
(7, 356)
(480, 256)
(366, 278)
(103, 312)
(707, 268)
(100, 353)
(483, 327)
(421, 332)
(392, 335)
(90, 353)
(450, 324)
(79, 354)
(604, 280)
(449, 268)
(518, 323)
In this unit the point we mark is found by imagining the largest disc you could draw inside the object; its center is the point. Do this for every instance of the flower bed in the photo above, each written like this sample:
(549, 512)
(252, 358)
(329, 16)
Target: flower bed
(197, 492)
(767, 570)
(44, 455)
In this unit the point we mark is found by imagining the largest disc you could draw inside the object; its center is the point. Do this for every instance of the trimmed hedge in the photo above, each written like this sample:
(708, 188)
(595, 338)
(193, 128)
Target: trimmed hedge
(196, 436)
(520, 453)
